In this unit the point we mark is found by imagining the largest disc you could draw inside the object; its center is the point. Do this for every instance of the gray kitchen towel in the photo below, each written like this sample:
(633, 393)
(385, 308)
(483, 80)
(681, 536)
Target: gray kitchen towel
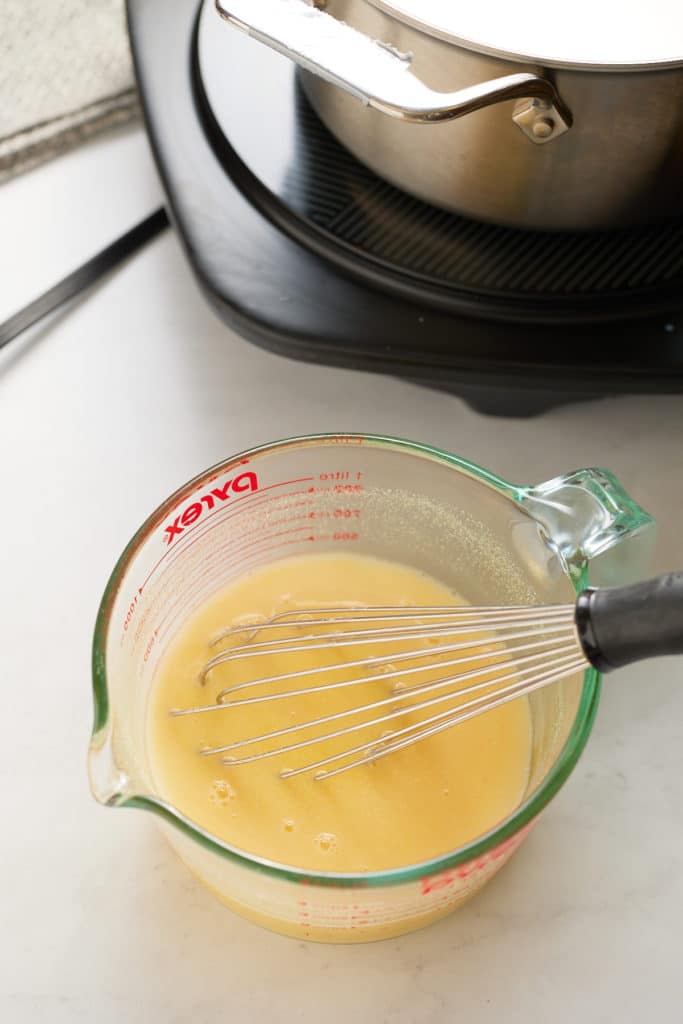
(65, 74)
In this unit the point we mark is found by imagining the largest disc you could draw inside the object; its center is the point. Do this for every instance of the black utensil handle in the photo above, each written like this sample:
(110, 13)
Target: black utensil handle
(84, 277)
(620, 625)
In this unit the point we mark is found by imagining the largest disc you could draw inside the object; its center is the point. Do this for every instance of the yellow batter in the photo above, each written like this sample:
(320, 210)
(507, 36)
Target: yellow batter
(410, 806)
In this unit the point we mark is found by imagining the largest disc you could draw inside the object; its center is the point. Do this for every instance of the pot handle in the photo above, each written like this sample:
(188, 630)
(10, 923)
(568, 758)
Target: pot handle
(379, 76)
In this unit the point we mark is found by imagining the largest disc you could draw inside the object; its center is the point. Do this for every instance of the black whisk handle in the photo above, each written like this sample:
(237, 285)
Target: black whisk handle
(620, 625)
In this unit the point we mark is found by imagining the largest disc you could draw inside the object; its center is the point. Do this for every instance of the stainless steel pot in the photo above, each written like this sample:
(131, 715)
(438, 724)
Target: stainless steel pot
(531, 120)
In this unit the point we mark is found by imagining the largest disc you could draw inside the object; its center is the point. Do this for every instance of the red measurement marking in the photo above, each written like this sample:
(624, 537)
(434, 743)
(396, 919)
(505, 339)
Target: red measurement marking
(272, 536)
(447, 879)
(254, 561)
(195, 510)
(291, 519)
(200, 534)
(270, 547)
(132, 608)
(220, 567)
(224, 509)
(216, 573)
(243, 498)
(150, 645)
(211, 576)
(235, 539)
(437, 882)
(181, 549)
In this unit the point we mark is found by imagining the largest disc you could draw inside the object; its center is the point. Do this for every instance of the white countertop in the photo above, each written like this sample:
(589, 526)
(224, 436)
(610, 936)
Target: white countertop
(105, 410)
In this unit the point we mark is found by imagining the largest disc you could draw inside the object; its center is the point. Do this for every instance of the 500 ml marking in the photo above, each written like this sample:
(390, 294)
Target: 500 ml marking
(150, 645)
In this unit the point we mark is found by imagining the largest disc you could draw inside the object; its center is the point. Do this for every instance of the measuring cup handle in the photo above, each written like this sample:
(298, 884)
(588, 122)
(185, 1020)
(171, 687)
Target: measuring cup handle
(585, 514)
(620, 625)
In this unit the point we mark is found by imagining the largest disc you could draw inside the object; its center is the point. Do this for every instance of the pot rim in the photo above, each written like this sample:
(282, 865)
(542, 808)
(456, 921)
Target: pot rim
(396, 10)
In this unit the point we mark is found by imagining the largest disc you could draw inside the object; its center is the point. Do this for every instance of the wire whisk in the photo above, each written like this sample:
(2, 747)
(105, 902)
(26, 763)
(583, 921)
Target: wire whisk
(475, 659)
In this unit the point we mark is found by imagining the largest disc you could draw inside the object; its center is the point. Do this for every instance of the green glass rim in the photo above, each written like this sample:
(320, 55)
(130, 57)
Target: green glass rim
(524, 815)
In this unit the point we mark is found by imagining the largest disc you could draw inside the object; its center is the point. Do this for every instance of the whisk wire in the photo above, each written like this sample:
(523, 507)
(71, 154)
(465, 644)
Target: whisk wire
(349, 638)
(494, 655)
(387, 613)
(433, 684)
(376, 755)
(479, 654)
(522, 682)
(378, 660)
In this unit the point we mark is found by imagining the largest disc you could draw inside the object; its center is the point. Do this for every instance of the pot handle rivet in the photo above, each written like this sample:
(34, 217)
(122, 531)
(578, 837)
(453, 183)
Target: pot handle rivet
(543, 128)
(538, 119)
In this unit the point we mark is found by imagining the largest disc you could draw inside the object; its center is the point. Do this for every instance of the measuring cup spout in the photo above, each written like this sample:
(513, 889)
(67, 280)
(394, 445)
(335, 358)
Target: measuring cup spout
(108, 783)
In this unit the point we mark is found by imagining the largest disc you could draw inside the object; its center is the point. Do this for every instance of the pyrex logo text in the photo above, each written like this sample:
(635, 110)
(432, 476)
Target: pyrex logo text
(190, 515)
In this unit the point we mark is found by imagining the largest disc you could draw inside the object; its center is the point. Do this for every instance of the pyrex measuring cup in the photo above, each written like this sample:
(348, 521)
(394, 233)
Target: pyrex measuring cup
(494, 542)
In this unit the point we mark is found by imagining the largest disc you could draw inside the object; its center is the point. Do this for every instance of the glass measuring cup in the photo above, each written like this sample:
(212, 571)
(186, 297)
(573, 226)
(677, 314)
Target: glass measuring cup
(492, 541)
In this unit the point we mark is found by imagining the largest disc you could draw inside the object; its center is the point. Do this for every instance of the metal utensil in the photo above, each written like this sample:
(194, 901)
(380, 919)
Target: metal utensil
(615, 159)
(493, 655)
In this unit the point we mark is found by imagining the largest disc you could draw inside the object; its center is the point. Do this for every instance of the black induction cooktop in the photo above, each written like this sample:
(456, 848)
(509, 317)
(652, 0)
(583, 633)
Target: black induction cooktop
(305, 251)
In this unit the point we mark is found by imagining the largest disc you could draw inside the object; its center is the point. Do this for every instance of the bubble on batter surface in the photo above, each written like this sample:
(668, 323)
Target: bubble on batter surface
(221, 792)
(326, 841)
